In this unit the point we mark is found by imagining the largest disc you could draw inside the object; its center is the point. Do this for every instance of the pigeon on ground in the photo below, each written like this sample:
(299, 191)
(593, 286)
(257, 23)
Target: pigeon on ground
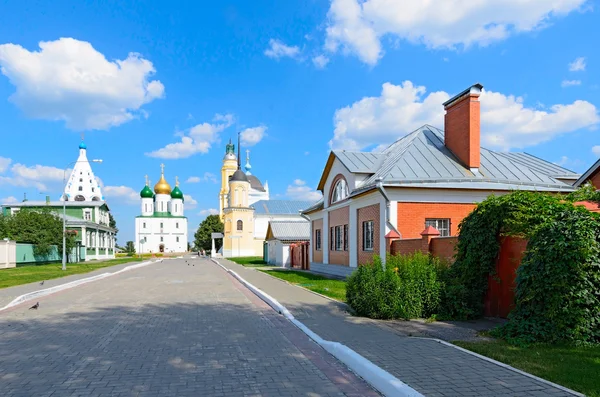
(42, 283)
(34, 307)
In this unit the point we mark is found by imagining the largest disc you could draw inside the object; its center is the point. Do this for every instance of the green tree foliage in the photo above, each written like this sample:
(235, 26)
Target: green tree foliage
(40, 227)
(406, 287)
(202, 237)
(558, 282)
(112, 223)
(130, 248)
(585, 193)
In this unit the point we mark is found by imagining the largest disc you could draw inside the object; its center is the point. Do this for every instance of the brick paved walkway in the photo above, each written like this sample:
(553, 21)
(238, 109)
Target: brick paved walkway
(427, 366)
(167, 329)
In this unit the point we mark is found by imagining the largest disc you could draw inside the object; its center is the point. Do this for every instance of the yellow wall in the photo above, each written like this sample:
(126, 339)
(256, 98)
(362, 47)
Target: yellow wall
(237, 210)
(229, 167)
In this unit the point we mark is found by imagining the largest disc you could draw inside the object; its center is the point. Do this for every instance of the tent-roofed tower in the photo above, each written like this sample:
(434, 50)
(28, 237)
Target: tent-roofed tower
(82, 185)
(230, 165)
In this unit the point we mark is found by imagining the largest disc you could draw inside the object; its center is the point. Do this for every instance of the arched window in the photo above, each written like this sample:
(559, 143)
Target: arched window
(340, 191)
(240, 226)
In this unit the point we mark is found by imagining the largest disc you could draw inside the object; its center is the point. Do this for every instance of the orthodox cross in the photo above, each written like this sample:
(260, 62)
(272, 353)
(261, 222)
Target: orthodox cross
(162, 168)
(176, 181)
(147, 182)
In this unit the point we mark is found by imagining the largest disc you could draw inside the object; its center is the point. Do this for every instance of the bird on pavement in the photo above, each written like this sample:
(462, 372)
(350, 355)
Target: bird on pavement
(34, 307)
(42, 283)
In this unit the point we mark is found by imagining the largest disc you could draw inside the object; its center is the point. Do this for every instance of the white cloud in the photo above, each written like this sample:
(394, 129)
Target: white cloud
(69, 80)
(37, 176)
(209, 211)
(505, 121)
(596, 150)
(4, 163)
(193, 179)
(564, 160)
(190, 202)
(198, 139)
(570, 83)
(252, 136)
(278, 49)
(207, 177)
(320, 61)
(299, 191)
(578, 65)
(123, 194)
(357, 26)
(9, 200)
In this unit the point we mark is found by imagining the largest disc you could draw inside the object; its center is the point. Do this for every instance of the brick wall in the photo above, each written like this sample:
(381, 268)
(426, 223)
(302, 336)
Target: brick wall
(370, 213)
(339, 217)
(411, 216)
(406, 246)
(443, 247)
(317, 255)
(595, 180)
(462, 130)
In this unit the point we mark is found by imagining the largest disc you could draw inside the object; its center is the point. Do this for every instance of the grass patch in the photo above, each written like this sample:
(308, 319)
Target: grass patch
(335, 289)
(31, 274)
(249, 261)
(575, 367)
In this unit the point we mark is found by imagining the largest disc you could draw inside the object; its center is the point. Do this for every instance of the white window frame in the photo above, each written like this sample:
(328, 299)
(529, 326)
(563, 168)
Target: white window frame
(339, 237)
(87, 215)
(318, 240)
(368, 236)
(441, 224)
(340, 191)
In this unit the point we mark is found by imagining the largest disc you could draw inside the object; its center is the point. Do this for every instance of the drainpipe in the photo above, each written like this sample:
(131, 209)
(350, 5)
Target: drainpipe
(379, 183)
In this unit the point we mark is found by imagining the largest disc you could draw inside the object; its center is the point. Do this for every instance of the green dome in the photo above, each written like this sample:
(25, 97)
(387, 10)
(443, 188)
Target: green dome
(176, 193)
(146, 192)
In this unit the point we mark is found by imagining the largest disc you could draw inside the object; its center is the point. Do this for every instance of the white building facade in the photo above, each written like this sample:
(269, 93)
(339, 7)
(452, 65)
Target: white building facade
(162, 226)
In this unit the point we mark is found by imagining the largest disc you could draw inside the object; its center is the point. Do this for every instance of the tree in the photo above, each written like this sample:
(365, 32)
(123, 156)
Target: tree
(112, 223)
(202, 237)
(130, 248)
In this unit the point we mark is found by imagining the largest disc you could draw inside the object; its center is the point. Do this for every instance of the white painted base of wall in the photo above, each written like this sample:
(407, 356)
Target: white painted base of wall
(99, 257)
(237, 253)
(334, 270)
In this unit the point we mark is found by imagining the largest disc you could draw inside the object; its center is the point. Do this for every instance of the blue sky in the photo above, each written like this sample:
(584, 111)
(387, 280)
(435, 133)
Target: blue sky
(152, 82)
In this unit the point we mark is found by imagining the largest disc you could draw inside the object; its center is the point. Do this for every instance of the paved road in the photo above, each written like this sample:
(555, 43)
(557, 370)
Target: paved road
(169, 329)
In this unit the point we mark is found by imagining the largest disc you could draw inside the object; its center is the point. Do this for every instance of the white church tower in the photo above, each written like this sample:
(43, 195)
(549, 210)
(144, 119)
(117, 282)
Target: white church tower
(162, 225)
(82, 184)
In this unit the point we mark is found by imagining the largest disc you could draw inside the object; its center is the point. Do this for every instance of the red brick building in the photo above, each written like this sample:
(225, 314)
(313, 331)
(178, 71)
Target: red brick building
(429, 177)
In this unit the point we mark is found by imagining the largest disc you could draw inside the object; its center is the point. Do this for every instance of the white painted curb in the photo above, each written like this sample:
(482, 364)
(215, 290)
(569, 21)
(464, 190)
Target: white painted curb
(380, 379)
(47, 291)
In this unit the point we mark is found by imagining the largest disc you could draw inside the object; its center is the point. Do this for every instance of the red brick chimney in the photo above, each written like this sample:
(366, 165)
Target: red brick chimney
(462, 127)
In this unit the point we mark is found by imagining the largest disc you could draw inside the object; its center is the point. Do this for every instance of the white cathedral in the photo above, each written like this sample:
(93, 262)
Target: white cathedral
(161, 227)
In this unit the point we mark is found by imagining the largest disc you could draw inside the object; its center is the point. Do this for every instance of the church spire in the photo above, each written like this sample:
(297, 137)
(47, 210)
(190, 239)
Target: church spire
(238, 156)
(248, 166)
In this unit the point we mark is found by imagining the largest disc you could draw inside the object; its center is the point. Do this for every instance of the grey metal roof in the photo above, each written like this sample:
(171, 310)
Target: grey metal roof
(360, 162)
(422, 157)
(280, 207)
(290, 230)
(255, 183)
(239, 176)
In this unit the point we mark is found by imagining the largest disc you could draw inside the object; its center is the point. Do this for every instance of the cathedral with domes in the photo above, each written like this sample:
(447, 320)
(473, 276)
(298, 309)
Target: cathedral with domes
(162, 226)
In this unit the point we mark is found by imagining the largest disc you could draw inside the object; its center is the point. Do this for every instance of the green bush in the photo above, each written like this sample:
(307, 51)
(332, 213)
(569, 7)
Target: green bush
(558, 283)
(407, 287)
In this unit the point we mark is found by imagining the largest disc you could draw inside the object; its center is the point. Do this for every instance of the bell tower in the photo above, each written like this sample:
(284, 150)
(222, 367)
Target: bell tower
(230, 165)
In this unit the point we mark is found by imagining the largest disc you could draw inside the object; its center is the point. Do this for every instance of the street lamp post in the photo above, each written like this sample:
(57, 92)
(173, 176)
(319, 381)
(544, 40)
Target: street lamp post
(64, 242)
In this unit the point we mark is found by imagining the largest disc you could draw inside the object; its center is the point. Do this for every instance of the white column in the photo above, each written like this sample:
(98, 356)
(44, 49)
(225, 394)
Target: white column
(97, 242)
(325, 237)
(213, 252)
(353, 238)
(382, 229)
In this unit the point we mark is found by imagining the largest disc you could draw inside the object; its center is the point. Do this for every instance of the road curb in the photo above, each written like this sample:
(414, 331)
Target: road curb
(49, 291)
(383, 381)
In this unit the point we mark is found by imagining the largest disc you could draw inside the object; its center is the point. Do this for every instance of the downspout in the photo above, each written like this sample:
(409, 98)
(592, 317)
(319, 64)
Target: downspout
(387, 205)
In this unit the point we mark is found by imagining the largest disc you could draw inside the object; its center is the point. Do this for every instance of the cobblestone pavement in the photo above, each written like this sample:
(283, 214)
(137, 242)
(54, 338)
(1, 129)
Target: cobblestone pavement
(169, 329)
(429, 367)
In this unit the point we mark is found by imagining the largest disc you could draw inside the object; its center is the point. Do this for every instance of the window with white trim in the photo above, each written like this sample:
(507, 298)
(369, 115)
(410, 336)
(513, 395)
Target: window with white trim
(240, 225)
(318, 239)
(368, 236)
(345, 237)
(338, 238)
(177, 238)
(331, 239)
(176, 225)
(87, 215)
(442, 225)
(340, 191)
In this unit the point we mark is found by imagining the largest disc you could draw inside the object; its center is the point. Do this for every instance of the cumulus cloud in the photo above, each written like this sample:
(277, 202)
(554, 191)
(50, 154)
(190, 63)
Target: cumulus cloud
(357, 26)
(190, 202)
(320, 61)
(578, 65)
(252, 136)
(198, 139)
(4, 163)
(69, 80)
(278, 49)
(209, 211)
(299, 191)
(9, 200)
(505, 121)
(122, 194)
(38, 176)
(570, 83)
(596, 150)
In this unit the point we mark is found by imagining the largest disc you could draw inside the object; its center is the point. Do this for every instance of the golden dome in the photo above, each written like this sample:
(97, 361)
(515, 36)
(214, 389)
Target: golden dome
(162, 186)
